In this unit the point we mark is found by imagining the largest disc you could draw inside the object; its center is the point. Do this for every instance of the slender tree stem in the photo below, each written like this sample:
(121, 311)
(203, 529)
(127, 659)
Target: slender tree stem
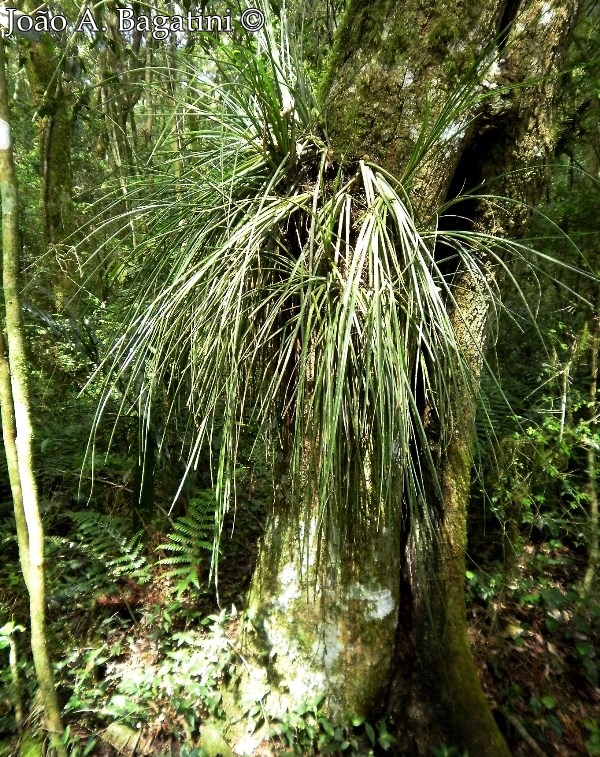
(10, 447)
(591, 460)
(14, 669)
(18, 371)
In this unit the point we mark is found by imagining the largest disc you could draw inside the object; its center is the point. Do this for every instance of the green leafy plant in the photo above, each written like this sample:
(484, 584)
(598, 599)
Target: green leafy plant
(284, 291)
(378, 735)
(448, 751)
(306, 730)
(105, 539)
(592, 744)
(80, 748)
(187, 751)
(189, 543)
(185, 684)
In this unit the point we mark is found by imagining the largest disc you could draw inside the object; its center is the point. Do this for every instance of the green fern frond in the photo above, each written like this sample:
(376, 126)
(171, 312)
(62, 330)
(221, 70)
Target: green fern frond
(105, 539)
(188, 542)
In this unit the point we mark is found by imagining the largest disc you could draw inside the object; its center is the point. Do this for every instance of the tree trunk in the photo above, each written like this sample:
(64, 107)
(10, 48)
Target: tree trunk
(318, 623)
(10, 447)
(32, 558)
(594, 520)
(435, 694)
(444, 99)
(44, 72)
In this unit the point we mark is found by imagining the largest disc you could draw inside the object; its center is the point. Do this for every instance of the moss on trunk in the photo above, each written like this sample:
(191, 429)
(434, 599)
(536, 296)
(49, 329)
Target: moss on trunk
(320, 624)
(327, 633)
(393, 71)
(54, 120)
(391, 85)
(17, 397)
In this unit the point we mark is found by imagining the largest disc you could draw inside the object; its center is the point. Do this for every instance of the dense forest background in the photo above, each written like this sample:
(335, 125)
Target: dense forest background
(150, 544)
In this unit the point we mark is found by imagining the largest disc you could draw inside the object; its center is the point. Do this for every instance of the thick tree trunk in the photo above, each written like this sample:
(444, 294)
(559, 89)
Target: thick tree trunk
(330, 632)
(438, 96)
(435, 695)
(505, 140)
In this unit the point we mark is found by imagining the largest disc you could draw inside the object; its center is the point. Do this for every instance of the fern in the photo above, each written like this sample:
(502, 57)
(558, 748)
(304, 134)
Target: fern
(106, 541)
(189, 542)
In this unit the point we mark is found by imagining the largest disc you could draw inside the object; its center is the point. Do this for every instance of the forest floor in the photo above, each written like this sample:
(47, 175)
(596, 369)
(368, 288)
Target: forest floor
(537, 645)
(145, 665)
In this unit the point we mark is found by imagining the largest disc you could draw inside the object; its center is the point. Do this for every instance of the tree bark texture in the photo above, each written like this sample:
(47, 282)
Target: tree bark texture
(18, 401)
(446, 97)
(54, 120)
(397, 66)
(45, 76)
(9, 436)
(330, 632)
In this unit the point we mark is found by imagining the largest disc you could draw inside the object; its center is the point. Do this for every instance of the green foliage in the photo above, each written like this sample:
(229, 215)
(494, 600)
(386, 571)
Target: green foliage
(80, 746)
(129, 682)
(592, 744)
(542, 609)
(104, 539)
(448, 751)
(277, 290)
(306, 730)
(188, 751)
(184, 685)
(188, 543)
(538, 479)
(292, 235)
(267, 260)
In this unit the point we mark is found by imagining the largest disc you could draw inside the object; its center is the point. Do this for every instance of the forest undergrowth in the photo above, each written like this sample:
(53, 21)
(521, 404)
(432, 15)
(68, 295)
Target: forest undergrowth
(146, 650)
(146, 606)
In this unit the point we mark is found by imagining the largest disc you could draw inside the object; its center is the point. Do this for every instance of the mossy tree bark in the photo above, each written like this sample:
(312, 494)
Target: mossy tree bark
(54, 121)
(9, 435)
(444, 96)
(407, 59)
(16, 419)
(328, 624)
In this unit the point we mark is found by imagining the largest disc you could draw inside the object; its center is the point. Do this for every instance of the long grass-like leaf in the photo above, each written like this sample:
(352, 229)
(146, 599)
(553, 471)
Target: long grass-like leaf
(278, 291)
